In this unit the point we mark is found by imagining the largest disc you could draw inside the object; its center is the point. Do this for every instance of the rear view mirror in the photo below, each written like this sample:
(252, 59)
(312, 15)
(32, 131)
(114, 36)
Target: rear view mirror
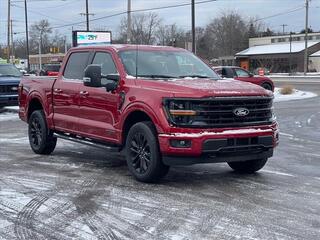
(92, 76)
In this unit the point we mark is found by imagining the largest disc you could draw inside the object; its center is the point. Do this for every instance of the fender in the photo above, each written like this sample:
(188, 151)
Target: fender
(143, 107)
(45, 106)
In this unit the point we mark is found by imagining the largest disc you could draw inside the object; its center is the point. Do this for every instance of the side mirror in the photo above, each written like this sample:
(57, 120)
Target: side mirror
(92, 76)
(113, 82)
(251, 75)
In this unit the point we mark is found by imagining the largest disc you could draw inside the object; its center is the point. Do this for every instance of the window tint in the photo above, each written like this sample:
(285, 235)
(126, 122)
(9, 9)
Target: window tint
(76, 64)
(241, 73)
(106, 62)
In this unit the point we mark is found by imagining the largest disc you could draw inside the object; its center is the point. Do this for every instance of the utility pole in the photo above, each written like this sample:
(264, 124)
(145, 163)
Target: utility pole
(87, 14)
(8, 33)
(283, 28)
(193, 27)
(12, 47)
(27, 34)
(306, 39)
(129, 22)
(290, 56)
(40, 45)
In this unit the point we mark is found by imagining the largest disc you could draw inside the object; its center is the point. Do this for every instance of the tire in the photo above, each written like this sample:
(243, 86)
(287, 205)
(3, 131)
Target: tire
(267, 86)
(251, 166)
(40, 137)
(143, 154)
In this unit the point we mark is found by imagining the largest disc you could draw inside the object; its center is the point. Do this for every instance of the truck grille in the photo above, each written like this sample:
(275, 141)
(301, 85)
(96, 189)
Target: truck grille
(220, 112)
(8, 89)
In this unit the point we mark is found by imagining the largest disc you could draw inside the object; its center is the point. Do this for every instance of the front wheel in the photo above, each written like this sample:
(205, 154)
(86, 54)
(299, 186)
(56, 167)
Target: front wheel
(142, 153)
(40, 136)
(248, 166)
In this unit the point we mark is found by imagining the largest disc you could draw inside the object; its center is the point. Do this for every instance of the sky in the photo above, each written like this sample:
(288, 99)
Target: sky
(62, 12)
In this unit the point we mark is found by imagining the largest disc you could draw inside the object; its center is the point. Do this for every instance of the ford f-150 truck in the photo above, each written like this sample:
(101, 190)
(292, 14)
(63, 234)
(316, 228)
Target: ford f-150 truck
(161, 106)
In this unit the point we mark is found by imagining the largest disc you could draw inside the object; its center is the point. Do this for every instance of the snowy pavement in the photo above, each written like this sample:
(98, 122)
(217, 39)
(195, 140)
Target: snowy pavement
(80, 192)
(296, 95)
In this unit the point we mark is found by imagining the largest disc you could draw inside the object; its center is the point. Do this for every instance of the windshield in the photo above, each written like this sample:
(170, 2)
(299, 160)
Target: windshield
(165, 64)
(9, 71)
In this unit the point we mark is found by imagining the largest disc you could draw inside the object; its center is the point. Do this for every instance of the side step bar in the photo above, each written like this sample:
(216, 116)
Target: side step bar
(86, 141)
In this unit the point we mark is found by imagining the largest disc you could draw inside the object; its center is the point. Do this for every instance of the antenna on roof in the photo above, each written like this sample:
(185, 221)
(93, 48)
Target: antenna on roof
(137, 60)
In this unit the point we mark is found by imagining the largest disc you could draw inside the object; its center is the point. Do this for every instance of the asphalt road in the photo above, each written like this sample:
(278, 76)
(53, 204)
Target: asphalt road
(84, 193)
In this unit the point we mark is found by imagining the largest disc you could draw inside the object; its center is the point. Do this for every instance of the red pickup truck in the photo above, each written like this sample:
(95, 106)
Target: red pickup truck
(161, 106)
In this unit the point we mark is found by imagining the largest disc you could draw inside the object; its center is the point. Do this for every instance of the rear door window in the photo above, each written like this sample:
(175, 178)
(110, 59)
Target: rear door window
(76, 65)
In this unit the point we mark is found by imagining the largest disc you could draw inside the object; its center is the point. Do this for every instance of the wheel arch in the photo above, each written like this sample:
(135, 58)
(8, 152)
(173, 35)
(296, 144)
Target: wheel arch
(135, 114)
(34, 104)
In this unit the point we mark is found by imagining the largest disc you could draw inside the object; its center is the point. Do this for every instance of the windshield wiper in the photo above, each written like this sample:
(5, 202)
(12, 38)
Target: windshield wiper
(194, 76)
(155, 76)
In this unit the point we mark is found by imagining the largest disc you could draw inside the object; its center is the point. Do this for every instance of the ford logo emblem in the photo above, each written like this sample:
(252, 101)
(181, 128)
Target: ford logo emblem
(14, 88)
(241, 112)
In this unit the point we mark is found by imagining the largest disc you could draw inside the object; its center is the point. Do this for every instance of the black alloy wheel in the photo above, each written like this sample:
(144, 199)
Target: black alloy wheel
(41, 138)
(140, 153)
(143, 154)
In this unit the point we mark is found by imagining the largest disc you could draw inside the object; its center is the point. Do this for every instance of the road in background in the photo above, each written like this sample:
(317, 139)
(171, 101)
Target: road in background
(84, 193)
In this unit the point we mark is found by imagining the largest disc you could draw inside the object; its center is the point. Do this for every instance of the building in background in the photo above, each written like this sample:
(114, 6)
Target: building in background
(280, 53)
(45, 59)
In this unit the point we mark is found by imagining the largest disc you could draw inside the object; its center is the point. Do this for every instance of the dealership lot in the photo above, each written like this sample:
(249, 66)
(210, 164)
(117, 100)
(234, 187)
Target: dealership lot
(84, 193)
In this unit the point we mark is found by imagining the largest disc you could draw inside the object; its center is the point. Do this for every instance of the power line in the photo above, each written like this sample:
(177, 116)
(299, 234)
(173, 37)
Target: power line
(137, 10)
(279, 14)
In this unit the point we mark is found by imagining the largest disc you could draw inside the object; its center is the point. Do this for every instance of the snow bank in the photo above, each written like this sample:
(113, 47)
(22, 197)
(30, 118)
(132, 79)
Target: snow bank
(296, 95)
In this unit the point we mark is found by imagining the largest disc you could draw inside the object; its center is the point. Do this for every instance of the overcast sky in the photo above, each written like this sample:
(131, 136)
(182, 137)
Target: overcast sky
(60, 12)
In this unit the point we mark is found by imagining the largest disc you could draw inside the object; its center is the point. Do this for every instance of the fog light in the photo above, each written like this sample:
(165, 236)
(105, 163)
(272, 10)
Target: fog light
(180, 143)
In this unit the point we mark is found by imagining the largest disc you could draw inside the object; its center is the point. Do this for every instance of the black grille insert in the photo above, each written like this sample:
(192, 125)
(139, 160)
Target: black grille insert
(220, 112)
(8, 89)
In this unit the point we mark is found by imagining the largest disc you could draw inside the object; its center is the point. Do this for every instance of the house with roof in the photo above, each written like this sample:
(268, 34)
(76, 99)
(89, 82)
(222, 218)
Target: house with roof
(283, 53)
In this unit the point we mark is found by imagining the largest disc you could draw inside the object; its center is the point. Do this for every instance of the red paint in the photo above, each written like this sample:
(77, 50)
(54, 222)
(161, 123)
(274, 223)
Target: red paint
(95, 113)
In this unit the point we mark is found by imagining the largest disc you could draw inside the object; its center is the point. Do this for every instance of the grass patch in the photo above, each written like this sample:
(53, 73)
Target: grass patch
(286, 90)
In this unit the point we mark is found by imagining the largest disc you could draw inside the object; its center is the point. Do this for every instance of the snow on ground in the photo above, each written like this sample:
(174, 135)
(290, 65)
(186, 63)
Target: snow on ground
(8, 116)
(296, 95)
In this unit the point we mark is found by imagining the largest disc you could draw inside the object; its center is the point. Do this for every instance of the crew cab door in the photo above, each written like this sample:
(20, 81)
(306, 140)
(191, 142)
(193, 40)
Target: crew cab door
(66, 93)
(99, 108)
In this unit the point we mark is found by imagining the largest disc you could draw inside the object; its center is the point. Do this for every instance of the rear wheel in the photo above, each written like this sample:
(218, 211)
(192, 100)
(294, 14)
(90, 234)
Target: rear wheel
(267, 86)
(40, 137)
(142, 153)
(248, 166)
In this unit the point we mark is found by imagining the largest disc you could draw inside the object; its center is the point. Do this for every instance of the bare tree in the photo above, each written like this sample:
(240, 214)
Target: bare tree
(226, 35)
(39, 30)
(143, 29)
(171, 35)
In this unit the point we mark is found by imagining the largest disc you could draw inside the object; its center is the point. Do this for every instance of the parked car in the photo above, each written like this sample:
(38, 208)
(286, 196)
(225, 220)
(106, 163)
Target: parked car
(151, 107)
(10, 77)
(50, 70)
(263, 70)
(245, 76)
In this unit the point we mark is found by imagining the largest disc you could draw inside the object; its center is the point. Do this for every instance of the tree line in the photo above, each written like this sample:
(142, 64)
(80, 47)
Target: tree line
(224, 35)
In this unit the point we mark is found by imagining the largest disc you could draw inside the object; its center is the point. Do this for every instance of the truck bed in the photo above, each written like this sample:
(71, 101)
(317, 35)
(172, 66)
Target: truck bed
(39, 87)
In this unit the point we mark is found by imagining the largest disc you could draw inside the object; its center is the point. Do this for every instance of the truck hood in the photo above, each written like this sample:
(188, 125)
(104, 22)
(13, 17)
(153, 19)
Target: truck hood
(204, 87)
(9, 80)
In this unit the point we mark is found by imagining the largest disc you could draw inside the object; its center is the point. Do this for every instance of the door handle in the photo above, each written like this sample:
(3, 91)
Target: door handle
(84, 93)
(57, 90)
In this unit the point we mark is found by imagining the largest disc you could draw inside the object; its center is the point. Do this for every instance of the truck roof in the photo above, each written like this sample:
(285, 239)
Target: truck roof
(120, 47)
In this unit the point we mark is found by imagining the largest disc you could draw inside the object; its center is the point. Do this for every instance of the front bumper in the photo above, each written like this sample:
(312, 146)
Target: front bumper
(9, 100)
(220, 145)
